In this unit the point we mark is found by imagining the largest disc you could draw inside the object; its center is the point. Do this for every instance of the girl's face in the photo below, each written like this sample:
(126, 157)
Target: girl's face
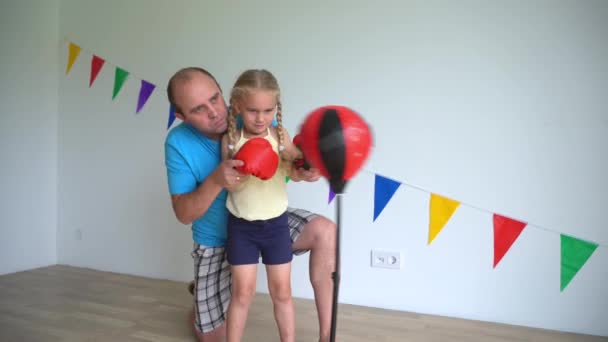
(257, 110)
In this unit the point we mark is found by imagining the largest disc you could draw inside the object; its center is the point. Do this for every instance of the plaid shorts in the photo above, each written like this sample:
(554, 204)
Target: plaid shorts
(212, 278)
(296, 219)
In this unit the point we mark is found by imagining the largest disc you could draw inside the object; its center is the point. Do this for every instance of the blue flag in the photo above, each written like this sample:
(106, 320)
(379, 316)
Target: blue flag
(171, 116)
(384, 189)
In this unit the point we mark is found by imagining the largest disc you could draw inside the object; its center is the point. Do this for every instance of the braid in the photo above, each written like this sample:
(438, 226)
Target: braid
(232, 127)
(246, 84)
(280, 127)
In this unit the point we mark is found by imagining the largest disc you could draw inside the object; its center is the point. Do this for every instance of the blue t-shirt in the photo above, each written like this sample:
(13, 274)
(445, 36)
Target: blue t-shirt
(190, 157)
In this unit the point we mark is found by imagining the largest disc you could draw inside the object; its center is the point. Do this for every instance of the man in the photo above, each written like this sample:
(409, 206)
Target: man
(198, 181)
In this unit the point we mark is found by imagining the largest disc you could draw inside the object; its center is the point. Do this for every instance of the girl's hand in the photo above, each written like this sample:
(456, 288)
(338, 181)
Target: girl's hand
(300, 174)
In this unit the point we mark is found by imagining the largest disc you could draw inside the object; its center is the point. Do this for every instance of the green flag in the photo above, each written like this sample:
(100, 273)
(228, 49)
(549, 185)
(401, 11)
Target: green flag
(119, 79)
(575, 253)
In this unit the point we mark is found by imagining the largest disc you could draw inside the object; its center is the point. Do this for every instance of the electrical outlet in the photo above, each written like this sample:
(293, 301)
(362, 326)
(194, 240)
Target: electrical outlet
(386, 259)
(78, 234)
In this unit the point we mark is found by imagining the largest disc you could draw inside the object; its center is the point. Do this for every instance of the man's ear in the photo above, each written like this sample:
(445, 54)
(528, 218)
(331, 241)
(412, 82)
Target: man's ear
(179, 115)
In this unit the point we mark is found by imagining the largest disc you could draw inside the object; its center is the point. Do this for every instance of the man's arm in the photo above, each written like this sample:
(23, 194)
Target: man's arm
(189, 199)
(190, 206)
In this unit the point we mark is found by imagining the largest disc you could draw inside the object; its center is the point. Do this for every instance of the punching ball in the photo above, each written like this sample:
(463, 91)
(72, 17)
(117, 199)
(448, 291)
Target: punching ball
(335, 140)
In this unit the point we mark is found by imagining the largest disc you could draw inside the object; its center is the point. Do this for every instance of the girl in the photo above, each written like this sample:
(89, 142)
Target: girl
(257, 222)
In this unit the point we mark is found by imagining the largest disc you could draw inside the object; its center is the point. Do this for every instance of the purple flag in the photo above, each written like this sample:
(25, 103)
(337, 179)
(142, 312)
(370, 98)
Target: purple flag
(331, 195)
(144, 93)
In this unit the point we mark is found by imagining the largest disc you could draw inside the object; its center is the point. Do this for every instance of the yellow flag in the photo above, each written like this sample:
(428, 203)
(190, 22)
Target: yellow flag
(73, 54)
(441, 210)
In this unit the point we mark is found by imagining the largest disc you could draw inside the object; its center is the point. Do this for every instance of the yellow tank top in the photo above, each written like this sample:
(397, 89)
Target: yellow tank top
(258, 199)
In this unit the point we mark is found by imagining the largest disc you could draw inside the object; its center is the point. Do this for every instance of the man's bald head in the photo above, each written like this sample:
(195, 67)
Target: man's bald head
(182, 76)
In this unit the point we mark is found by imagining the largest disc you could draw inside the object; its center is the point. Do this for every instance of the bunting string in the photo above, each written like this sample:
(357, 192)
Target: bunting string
(419, 188)
(121, 74)
(107, 62)
(574, 251)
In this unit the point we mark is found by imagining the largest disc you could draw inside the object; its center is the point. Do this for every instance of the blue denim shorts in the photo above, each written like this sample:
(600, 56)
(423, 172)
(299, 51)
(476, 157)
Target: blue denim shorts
(247, 240)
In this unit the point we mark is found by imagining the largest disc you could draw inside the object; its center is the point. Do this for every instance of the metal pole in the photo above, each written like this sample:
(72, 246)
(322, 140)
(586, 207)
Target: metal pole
(336, 274)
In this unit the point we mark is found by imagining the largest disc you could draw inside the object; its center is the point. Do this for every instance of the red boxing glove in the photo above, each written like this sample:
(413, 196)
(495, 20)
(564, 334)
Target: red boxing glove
(297, 140)
(259, 159)
(300, 163)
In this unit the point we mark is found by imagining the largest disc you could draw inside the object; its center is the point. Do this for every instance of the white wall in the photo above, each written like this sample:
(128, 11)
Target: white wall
(498, 106)
(28, 134)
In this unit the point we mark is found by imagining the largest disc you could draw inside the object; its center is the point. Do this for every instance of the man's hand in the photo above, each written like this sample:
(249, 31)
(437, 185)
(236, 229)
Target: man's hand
(227, 176)
(301, 174)
(190, 206)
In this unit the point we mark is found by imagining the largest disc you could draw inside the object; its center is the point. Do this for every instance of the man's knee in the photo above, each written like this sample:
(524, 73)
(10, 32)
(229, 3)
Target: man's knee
(324, 232)
(216, 335)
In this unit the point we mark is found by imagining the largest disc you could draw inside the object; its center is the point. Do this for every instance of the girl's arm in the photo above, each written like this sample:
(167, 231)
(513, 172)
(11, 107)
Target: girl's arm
(225, 156)
(294, 173)
(225, 150)
(291, 152)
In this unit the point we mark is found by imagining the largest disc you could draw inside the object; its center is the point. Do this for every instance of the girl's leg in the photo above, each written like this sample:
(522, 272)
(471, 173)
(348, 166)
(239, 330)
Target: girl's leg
(279, 285)
(243, 290)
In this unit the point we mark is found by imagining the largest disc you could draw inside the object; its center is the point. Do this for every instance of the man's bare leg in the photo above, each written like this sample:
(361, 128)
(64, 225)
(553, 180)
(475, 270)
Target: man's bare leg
(319, 236)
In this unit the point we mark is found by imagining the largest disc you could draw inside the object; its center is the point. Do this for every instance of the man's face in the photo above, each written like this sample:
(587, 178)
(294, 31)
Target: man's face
(202, 105)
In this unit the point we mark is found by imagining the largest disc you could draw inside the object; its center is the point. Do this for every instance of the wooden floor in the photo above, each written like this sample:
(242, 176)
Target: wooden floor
(62, 303)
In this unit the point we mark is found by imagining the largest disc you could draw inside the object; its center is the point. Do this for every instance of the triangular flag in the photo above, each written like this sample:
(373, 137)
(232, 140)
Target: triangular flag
(331, 196)
(74, 51)
(441, 209)
(286, 179)
(506, 231)
(384, 189)
(144, 93)
(171, 116)
(119, 78)
(575, 253)
(96, 64)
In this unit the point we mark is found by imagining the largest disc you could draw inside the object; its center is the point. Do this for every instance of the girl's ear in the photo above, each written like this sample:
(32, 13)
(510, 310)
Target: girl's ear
(237, 106)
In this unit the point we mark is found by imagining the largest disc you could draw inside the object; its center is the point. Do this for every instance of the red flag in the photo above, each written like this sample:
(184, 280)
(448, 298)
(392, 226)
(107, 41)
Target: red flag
(96, 64)
(506, 231)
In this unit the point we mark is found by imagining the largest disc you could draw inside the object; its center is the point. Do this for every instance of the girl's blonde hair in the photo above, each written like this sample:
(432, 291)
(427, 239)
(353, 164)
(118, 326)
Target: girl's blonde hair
(248, 82)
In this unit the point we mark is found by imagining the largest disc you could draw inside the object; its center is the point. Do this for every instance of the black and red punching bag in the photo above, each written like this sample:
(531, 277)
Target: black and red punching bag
(335, 140)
